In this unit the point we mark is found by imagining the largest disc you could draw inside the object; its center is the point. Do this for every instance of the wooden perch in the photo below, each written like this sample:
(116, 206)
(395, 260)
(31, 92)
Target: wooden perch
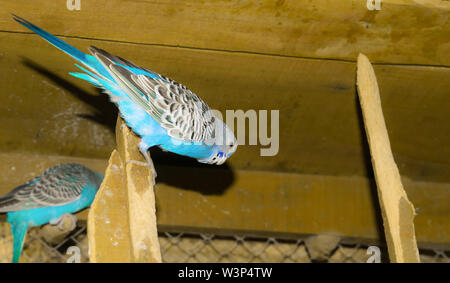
(122, 219)
(397, 211)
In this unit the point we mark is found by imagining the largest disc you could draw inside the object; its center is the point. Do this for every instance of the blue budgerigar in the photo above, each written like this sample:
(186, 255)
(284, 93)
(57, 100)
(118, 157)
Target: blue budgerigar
(161, 111)
(58, 192)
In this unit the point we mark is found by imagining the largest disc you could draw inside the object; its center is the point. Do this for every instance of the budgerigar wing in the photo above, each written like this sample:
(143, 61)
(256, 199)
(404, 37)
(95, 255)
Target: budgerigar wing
(58, 185)
(172, 105)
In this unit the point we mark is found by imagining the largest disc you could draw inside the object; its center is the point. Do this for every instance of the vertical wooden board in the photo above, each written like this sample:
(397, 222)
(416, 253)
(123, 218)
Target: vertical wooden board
(141, 197)
(108, 226)
(142, 214)
(397, 211)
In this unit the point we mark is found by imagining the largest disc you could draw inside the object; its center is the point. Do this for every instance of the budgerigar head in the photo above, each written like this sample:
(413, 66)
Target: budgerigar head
(225, 144)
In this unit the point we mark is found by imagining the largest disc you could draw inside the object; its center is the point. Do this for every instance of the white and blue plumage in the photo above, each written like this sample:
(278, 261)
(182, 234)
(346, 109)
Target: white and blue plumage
(161, 111)
(58, 192)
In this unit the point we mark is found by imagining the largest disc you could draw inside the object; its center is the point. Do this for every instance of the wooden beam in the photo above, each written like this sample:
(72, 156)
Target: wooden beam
(397, 211)
(264, 203)
(291, 205)
(80, 122)
(403, 31)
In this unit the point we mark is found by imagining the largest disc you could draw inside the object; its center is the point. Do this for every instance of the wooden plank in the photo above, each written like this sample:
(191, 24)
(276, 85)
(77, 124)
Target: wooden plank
(406, 31)
(299, 88)
(122, 221)
(265, 203)
(141, 207)
(397, 211)
(269, 203)
(108, 223)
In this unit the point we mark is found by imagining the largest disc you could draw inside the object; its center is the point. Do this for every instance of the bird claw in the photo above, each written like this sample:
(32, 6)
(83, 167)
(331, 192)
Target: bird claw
(152, 167)
(143, 148)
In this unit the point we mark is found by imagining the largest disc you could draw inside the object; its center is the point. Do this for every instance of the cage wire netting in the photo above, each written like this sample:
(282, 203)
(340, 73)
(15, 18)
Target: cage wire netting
(202, 247)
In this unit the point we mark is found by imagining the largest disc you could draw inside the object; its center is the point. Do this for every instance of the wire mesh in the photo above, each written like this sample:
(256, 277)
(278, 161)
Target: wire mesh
(203, 247)
(183, 247)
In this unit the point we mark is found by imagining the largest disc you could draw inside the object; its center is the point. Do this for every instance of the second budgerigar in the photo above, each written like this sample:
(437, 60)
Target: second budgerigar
(58, 192)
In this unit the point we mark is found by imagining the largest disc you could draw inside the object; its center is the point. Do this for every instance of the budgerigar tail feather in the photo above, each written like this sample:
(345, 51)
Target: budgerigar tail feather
(18, 230)
(86, 78)
(88, 60)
